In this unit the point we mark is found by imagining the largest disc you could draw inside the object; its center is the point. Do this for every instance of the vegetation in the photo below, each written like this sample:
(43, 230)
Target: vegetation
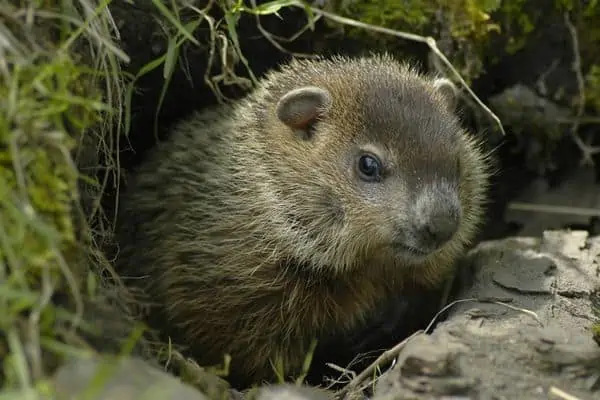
(465, 27)
(64, 105)
(57, 57)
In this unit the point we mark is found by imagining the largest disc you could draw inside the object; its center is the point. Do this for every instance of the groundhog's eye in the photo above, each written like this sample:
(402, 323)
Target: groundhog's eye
(369, 168)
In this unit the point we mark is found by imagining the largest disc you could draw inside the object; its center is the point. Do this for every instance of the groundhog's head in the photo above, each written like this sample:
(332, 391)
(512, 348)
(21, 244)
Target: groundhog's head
(372, 163)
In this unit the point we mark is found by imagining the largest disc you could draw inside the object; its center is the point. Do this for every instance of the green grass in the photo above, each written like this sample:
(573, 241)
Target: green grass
(58, 63)
(64, 102)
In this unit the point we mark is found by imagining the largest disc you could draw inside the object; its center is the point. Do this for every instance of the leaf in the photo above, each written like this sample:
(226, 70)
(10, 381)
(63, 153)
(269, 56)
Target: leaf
(273, 7)
(175, 21)
(170, 57)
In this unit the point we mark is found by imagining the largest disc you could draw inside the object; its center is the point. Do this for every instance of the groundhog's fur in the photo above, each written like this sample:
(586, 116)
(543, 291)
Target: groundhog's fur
(254, 230)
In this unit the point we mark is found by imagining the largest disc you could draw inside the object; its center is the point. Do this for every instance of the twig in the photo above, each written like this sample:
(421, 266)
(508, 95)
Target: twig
(482, 300)
(346, 375)
(429, 41)
(584, 119)
(547, 208)
(587, 150)
(563, 395)
(272, 38)
(386, 357)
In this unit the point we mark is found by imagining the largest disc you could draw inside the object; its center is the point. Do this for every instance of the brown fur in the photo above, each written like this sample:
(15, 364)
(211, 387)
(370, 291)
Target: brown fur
(253, 240)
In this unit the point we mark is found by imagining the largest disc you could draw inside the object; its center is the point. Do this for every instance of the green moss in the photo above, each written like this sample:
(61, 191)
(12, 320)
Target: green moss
(466, 17)
(589, 44)
(49, 98)
(593, 87)
(584, 15)
(415, 13)
(39, 186)
(596, 333)
(468, 24)
(516, 24)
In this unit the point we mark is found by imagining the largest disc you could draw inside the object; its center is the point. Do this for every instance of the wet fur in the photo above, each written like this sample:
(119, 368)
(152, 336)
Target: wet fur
(253, 242)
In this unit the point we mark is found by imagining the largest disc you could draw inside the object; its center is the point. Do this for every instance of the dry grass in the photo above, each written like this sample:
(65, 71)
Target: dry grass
(60, 87)
(64, 103)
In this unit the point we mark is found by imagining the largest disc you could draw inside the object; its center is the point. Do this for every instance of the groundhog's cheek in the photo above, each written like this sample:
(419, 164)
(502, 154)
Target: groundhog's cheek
(379, 230)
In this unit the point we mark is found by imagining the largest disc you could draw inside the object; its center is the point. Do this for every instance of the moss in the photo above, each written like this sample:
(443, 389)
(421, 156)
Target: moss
(593, 87)
(466, 22)
(589, 44)
(49, 99)
(465, 28)
(516, 24)
(596, 333)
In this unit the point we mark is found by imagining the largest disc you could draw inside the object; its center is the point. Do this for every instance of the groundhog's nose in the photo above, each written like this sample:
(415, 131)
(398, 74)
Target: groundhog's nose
(438, 215)
(437, 229)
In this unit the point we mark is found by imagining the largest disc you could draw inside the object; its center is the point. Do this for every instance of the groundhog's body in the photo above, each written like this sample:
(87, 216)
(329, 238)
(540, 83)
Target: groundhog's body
(261, 226)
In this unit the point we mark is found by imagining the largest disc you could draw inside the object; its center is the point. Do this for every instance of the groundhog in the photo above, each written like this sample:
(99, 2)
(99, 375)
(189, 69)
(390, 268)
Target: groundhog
(291, 214)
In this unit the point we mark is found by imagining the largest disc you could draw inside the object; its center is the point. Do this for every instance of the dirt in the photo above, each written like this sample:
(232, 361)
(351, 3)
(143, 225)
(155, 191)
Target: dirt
(120, 379)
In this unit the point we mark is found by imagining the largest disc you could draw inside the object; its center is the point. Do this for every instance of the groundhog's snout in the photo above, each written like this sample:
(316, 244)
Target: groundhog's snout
(437, 217)
(434, 220)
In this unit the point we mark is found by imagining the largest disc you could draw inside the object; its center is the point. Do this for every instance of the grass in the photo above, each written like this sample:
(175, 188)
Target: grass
(59, 88)
(64, 103)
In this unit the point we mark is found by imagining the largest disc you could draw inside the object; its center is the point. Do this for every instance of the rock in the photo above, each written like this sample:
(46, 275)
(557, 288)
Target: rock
(128, 378)
(290, 392)
(538, 342)
(115, 378)
(543, 206)
(519, 106)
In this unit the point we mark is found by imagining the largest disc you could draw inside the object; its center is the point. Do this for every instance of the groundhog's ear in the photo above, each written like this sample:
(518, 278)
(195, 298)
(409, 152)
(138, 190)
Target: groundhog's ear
(300, 108)
(448, 91)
